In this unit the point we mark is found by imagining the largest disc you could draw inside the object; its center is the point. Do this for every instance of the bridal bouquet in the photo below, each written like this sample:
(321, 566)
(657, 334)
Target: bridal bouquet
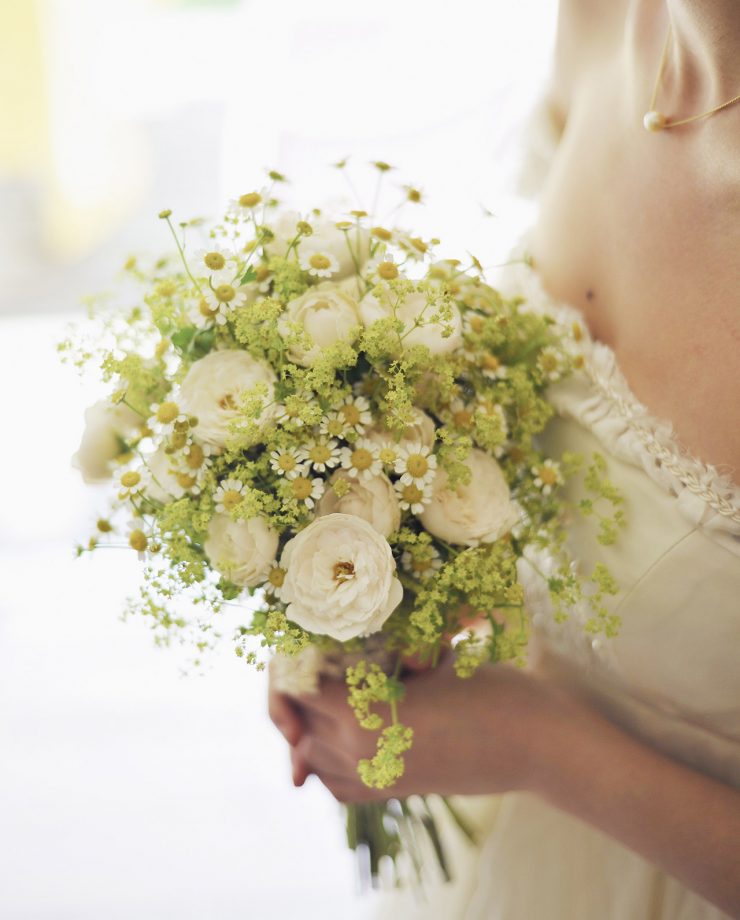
(313, 410)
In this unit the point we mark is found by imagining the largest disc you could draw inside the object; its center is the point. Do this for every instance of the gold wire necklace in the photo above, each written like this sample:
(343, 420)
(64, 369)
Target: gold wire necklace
(654, 120)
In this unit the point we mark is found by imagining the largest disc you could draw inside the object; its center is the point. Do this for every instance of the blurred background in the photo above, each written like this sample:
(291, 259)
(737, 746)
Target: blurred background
(126, 788)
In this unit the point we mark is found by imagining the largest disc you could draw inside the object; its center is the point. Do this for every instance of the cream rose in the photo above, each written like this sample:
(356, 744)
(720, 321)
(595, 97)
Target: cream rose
(340, 578)
(162, 485)
(414, 306)
(327, 314)
(243, 551)
(347, 247)
(374, 500)
(212, 388)
(420, 431)
(479, 512)
(107, 426)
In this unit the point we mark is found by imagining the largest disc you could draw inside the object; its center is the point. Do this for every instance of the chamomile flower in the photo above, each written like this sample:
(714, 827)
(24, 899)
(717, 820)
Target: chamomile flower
(275, 578)
(423, 562)
(361, 460)
(198, 457)
(322, 454)
(228, 495)
(218, 263)
(306, 490)
(412, 497)
(382, 269)
(137, 538)
(416, 465)
(356, 413)
(388, 453)
(320, 263)
(288, 413)
(492, 367)
(131, 484)
(334, 425)
(473, 323)
(460, 413)
(223, 298)
(547, 476)
(551, 364)
(245, 204)
(288, 462)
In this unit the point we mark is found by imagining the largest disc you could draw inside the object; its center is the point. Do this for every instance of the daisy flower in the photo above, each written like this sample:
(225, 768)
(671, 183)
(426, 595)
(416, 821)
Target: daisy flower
(275, 577)
(334, 425)
(412, 497)
(322, 454)
(388, 453)
(306, 490)
(245, 204)
(356, 413)
(223, 298)
(131, 484)
(288, 414)
(137, 539)
(216, 262)
(547, 476)
(382, 269)
(228, 495)
(422, 564)
(288, 462)
(550, 363)
(492, 367)
(416, 465)
(461, 413)
(361, 460)
(318, 262)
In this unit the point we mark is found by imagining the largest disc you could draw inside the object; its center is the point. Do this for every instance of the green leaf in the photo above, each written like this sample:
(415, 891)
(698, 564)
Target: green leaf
(183, 338)
(249, 275)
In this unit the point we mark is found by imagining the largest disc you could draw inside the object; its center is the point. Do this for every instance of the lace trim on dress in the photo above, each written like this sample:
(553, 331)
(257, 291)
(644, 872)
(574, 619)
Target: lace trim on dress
(599, 398)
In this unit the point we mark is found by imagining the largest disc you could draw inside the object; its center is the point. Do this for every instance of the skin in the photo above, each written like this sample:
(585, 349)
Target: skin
(641, 232)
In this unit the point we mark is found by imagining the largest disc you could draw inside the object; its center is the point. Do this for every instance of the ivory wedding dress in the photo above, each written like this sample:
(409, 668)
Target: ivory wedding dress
(671, 677)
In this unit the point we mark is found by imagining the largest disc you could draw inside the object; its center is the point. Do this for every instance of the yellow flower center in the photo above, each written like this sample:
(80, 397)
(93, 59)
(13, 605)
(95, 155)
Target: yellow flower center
(388, 455)
(302, 487)
(137, 540)
(262, 272)
(362, 459)
(548, 475)
(382, 234)
(225, 293)
(215, 261)
(577, 332)
(421, 565)
(462, 418)
(205, 309)
(287, 462)
(334, 426)
(491, 362)
(167, 412)
(276, 577)
(549, 362)
(319, 453)
(319, 261)
(476, 323)
(178, 440)
(412, 494)
(196, 457)
(351, 413)
(414, 195)
(387, 271)
(231, 499)
(185, 480)
(418, 244)
(104, 526)
(129, 480)
(417, 465)
(227, 402)
(250, 200)
(343, 571)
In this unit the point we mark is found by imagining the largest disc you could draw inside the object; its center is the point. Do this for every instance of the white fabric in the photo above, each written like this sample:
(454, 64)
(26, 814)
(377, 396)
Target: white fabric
(671, 676)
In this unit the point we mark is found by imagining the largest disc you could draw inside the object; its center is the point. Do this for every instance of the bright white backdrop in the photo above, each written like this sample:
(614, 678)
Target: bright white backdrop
(127, 790)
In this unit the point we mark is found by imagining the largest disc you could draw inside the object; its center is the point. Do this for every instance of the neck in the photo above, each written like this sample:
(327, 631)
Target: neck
(704, 57)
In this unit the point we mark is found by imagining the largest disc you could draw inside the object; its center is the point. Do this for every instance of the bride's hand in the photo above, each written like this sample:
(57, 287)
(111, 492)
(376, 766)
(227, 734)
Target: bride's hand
(475, 735)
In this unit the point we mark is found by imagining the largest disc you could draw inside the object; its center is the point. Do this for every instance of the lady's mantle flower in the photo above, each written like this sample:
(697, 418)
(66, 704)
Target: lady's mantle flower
(361, 459)
(416, 464)
(547, 476)
(228, 495)
(288, 462)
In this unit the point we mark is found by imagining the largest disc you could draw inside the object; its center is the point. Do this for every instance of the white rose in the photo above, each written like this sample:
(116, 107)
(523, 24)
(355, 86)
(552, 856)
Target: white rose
(107, 426)
(162, 483)
(374, 500)
(345, 246)
(412, 307)
(327, 314)
(420, 431)
(243, 551)
(340, 578)
(212, 388)
(479, 512)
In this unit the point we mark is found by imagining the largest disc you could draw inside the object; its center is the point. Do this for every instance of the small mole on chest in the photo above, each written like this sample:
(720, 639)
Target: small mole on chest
(590, 294)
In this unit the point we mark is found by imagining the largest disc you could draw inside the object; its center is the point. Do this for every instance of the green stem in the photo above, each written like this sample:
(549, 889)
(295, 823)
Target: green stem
(182, 256)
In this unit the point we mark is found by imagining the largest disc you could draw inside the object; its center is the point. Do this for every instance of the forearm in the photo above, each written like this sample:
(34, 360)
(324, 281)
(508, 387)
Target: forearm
(678, 818)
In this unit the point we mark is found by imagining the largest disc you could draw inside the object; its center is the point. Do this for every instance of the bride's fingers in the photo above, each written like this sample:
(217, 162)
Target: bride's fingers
(318, 757)
(285, 716)
(331, 700)
(301, 770)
